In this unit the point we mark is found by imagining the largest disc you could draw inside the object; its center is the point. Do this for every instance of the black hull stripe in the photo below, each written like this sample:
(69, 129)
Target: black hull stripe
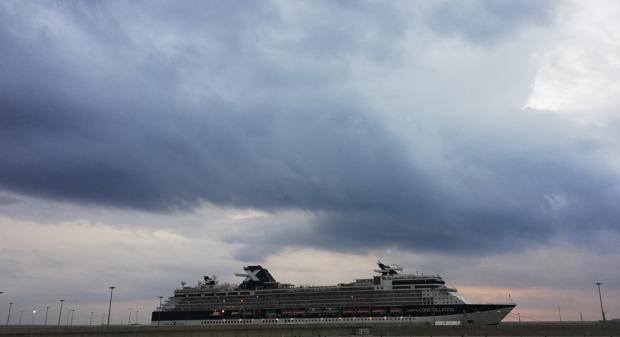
(407, 311)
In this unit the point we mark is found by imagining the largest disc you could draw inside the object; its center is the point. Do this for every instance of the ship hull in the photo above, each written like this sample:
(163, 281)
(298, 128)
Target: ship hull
(462, 314)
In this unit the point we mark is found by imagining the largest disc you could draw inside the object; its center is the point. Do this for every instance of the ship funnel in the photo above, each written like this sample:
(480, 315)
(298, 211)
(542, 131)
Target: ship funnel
(257, 277)
(385, 269)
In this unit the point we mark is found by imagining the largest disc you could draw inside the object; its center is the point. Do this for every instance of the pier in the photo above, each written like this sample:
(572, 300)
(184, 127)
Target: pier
(546, 329)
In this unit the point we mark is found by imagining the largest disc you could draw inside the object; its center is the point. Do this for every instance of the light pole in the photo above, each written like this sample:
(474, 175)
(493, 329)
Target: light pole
(581, 319)
(129, 320)
(34, 313)
(20, 317)
(47, 308)
(137, 311)
(1, 292)
(110, 306)
(160, 309)
(8, 317)
(598, 284)
(91, 318)
(68, 314)
(60, 312)
(72, 311)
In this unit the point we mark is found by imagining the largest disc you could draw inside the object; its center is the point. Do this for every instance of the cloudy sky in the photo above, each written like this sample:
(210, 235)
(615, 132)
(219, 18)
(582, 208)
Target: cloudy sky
(147, 143)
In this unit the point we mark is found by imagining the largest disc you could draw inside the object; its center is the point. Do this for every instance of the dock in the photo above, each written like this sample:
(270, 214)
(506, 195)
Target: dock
(530, 329)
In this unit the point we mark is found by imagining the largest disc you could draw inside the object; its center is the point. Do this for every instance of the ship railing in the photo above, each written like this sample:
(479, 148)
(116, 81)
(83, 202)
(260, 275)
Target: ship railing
(321, 302)
(412, 276)
(321, 320)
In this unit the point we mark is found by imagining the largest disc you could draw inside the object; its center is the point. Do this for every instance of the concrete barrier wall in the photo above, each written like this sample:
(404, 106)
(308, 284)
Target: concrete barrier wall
(527, 329)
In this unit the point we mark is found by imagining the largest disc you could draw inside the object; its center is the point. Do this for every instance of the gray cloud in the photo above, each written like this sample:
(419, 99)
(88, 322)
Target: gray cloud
(488, 21)
(244, 106)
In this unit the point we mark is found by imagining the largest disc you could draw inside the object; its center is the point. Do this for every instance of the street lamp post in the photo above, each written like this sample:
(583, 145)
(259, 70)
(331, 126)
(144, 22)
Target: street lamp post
(129, 320)
(19, 322)
(47, 308)
(8, 316)
(110, 305)
(91, 318)
(60, 311)
(72, 312)
(160, 309)
(598, 284)
(7, 321)
(34, 313)
(137, 311)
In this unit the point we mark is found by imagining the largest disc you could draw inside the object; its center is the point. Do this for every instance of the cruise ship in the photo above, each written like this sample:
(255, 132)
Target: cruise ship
(388, 297)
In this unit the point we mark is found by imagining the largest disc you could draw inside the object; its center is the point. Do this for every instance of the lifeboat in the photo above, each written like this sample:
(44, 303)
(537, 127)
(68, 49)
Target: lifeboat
(397, 310)
(378, 310)
(287, 312)
(349, 311)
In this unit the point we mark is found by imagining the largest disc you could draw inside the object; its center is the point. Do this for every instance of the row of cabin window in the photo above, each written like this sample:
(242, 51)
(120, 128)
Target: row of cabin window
(429, 281)
(242, 293)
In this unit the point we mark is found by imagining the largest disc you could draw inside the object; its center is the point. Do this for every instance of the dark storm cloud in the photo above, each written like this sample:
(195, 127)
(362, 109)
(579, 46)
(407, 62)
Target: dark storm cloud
(127, 140)
(167, 108)
(500, 199)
